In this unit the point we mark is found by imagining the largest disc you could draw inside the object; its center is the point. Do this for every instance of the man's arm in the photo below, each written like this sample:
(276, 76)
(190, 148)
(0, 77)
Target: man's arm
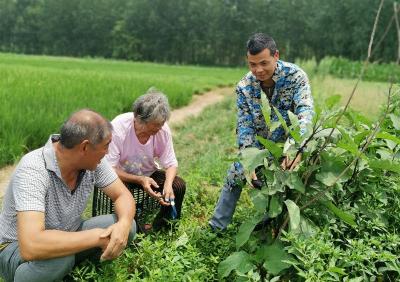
(304, 109)
(303, 102)
(125, 209)
(245, 124)
(36, 243)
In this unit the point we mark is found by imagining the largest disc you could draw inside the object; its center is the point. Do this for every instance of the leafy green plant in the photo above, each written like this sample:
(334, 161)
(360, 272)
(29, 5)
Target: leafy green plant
(345, 160)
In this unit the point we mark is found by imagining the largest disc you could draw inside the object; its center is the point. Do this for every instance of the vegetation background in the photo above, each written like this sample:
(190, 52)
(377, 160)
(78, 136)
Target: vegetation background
(206, 32)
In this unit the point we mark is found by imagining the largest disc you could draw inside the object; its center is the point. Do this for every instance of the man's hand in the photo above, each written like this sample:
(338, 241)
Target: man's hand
(103, 241)
(288, 164)
(117, 236)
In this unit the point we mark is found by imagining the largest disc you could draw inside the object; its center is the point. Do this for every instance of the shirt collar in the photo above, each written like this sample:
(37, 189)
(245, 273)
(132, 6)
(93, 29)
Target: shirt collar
(49, 154)
(277, 71)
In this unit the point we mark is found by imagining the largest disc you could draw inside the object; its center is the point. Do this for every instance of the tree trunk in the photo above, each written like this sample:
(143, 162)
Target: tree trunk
(396, 11)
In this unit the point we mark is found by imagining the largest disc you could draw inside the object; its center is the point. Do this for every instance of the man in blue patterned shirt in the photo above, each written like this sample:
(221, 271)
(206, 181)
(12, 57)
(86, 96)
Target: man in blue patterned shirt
(287, 88)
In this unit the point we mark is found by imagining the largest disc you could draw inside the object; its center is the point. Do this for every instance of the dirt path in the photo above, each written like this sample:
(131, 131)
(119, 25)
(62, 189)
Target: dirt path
(198, 104)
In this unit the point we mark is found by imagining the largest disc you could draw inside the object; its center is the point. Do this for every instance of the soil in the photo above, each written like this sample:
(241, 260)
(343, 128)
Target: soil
(199, 102)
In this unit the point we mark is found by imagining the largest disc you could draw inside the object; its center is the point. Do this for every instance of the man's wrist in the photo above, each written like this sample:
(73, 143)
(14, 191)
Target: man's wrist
(124, 222)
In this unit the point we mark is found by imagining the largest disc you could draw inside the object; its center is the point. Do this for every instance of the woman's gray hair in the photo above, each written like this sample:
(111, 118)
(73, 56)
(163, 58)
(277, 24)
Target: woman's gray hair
(151, 107)
(84, 125)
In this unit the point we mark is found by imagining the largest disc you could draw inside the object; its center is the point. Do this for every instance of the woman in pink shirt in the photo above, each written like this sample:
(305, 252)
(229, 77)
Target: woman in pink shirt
(142, 154)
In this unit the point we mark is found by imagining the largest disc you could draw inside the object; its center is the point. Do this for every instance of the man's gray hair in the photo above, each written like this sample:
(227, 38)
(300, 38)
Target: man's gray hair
(84, 125)
(151, 107)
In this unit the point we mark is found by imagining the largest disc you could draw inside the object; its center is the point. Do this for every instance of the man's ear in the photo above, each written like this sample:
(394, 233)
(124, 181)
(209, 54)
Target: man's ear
(276, 55)
(84, 146)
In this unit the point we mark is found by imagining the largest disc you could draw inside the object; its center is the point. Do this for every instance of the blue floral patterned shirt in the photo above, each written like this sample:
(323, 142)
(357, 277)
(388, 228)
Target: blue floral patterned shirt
(292, 92)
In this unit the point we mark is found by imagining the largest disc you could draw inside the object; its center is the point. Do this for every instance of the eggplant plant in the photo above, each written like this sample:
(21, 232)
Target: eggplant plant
(342, 155)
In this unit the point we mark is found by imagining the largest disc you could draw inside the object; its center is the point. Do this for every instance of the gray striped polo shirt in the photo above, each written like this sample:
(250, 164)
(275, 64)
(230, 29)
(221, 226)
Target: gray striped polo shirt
(37, 185)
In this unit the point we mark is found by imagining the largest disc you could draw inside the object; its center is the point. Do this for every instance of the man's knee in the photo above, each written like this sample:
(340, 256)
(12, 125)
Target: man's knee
(132, 232)
(45, 270)
(104, 221)
(235, 177)
(10, 259)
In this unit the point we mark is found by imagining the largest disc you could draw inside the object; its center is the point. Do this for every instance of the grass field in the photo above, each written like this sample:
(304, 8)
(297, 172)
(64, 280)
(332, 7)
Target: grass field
(193, 252)
(39, 92)
(368, 97)
(204, 148)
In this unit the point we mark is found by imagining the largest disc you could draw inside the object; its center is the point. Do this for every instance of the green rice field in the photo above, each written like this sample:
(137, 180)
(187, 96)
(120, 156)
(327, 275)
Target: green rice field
(37, 93)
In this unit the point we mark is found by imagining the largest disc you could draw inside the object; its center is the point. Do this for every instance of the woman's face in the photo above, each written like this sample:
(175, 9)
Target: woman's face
(150, 128)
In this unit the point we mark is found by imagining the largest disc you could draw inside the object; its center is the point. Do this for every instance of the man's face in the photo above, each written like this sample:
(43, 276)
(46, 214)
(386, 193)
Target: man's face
(94, 153)
(263, 65)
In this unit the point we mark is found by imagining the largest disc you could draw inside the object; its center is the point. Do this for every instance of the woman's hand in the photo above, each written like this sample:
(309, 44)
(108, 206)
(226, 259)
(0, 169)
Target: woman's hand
(146, 183)
(168, 194)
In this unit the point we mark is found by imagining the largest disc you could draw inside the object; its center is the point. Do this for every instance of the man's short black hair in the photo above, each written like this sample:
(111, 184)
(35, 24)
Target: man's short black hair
(260, 41)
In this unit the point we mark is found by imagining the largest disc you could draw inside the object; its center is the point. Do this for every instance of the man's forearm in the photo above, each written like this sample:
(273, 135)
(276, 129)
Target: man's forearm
(54, 243)
(125, 209)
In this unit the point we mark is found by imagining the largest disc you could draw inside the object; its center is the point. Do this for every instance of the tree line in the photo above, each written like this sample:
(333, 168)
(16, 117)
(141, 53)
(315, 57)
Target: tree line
(206, 32)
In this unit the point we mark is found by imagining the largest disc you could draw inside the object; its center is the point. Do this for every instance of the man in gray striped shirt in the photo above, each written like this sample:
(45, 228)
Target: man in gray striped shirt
(42, 234)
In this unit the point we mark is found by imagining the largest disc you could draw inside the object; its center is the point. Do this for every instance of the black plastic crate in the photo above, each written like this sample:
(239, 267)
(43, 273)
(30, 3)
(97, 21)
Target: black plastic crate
(145, 204)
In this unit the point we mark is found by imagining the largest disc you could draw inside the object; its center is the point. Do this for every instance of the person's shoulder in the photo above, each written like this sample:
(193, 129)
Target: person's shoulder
(33, 159)
(246, 80)
(165, 129)
(246, 85)
(291, 69)
(103, 167)
(32, 164)
(123, 118)
(163, 134)
(122, 123)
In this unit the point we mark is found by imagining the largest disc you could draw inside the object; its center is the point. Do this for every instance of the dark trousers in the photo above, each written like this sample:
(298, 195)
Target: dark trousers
(179, 188)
